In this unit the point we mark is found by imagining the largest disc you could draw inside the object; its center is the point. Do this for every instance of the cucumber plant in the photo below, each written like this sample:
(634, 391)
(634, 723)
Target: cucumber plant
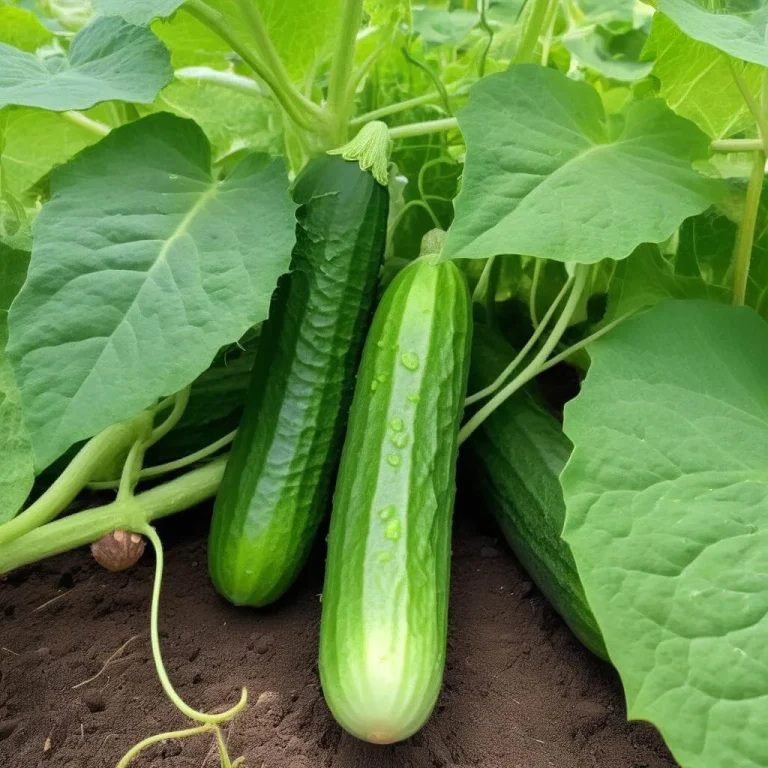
(589, 161)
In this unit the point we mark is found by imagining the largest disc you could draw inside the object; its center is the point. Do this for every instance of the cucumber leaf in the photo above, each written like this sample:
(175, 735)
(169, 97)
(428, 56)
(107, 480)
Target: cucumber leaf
(697, 81)
(137, 11)
(134, 286)
(108, 60)
(22, 29)
(18, 471)
(742, 36)
(547, 175)
(32, 141)
(667, 517)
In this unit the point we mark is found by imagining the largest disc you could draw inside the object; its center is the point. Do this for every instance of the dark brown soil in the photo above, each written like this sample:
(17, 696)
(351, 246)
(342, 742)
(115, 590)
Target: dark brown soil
(519, 691)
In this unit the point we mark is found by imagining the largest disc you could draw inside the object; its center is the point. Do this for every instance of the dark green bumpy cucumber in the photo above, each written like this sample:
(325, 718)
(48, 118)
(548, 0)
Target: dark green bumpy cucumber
(385, 601)
(277, 481)
(515, 459)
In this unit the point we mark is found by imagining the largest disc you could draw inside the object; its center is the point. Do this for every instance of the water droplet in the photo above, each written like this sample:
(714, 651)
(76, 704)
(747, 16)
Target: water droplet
(413, 398)
(387, 512)
(374, 385)
(396, 425)
(173, 176)
(410, 360)
(394, 459)
(399, 439)
(380, 344)
(382, 377)
(392, 531)
(384, 557)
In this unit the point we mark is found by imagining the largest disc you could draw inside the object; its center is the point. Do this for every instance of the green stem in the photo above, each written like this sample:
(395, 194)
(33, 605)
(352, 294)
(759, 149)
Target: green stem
(736, 145)
(760, 116)
(134, 752)
(131, 469)
(342, 65)
(423, 128)
(533, 28)
(130, 514)
(534, 367)
(537, 267)
(172, 466)
(97, 452)
(179, 703)
(746, 234)
(549, 31)
(535, 336)
(402, 106)
(79, 119)
(271, 58)
(229, 80)
(574, 348)
(179, 406)
(488, 29)
(298, 108)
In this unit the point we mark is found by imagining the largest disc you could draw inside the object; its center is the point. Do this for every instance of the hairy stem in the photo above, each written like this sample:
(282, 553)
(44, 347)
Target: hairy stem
(746, 234)
(537, 267)
(271, 57)
(424, 128)
(130, 514)
(343, 64)
(534, 367)
(230, 80)
(299, 109)
(533, 28)
(535, 336)
(97, 452)
(736, 145)
(401, 106)
(757, 112)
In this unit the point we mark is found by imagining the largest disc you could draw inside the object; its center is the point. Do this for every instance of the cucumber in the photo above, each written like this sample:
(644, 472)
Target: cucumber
(385, 600)
(515, 459)
(276, 485)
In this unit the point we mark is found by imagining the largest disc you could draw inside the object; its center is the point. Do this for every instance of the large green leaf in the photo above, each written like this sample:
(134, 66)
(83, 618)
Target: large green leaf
(645, 278)
(137, 11)
(18, 472)
(143, 266)
(22, 29)
(697, 80)
(32, 141)
(302, 32)
(548, 176)
(231, 120)
(594, 48)
(743, 36)
(667, 517)
(108, 60)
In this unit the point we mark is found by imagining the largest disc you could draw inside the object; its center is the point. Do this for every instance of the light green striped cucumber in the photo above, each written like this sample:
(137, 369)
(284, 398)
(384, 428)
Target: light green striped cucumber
(385, 602)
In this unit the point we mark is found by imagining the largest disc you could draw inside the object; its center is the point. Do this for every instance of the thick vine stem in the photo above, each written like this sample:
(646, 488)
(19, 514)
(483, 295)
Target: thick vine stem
(746, 235)
(533, 28)
(193, 714)
(736, 145)
(534, 367)
(339, 101)
(129, 514)
(83, 121)
(299, 109)
(402, 106)
(98, 451)
(421, 129)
